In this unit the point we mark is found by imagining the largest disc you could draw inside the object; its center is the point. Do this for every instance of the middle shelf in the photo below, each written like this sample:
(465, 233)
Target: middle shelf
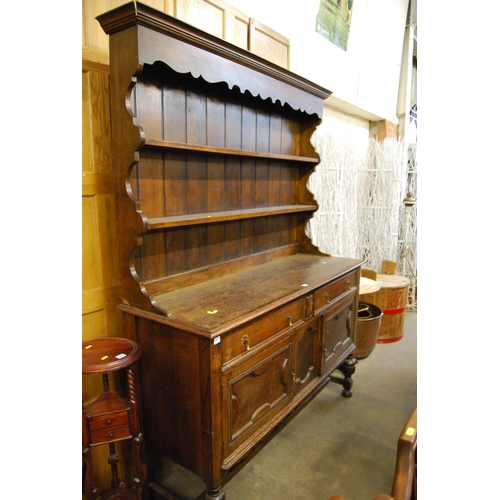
(216, 217)
(198, 148)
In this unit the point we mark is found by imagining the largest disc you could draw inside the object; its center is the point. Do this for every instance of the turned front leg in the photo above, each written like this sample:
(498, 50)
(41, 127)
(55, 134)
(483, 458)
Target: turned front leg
(348, 367)
(138, 438)
(214, 494)
(90, 490)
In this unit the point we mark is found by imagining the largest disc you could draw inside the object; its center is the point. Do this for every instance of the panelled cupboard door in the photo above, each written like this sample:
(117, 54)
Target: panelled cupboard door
(306, 366)
(254, 392)
(338, 330)
(257, 389)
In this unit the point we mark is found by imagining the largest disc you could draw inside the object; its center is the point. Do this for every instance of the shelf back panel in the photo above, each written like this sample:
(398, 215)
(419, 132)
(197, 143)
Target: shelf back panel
(174, 251)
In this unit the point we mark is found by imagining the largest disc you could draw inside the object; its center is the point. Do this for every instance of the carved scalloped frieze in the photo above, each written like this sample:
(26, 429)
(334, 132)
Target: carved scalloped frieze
(189, 50)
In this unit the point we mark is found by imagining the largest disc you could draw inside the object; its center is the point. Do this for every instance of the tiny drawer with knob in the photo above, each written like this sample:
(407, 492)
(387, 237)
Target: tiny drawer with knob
(329, 293)
(107, 421)
(110, 435)
(109, 428)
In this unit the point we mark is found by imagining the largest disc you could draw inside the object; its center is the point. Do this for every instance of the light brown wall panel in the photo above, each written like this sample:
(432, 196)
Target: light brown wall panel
(204, 15)
(269, 44)
(240, 31)
(93, 37)
(214, 16)
(100, 318)
(91, 251)
(96, 121)
(99, 267)
(94, 40)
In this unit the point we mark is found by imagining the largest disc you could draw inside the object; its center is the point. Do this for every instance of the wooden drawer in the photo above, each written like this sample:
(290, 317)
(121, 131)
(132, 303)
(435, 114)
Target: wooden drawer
(112, 434)
(252, 335)
(107, 421)
(327, 294)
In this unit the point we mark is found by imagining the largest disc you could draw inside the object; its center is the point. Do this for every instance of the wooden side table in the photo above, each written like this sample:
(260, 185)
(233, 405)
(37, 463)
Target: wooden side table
(111, 418)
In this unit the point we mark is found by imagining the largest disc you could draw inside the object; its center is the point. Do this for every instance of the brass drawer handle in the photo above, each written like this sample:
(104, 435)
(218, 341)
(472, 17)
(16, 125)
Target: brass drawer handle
(289, 319)
(327, 297)
(246, 342)
(348, 285)
(309, 304)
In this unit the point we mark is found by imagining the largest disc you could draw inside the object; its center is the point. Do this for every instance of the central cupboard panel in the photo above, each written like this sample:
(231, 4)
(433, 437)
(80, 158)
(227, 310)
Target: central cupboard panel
(255, 391)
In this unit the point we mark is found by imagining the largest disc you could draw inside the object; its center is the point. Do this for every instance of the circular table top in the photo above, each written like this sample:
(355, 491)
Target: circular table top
(366, 285)
(108, 354)
(392, 281)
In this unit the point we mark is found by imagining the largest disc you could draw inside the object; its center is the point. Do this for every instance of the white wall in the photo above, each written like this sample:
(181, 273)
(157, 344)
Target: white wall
(341, 141)
(364, 79)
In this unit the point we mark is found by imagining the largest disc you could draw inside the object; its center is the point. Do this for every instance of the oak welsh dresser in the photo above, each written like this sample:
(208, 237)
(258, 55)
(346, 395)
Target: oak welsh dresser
(241, 319)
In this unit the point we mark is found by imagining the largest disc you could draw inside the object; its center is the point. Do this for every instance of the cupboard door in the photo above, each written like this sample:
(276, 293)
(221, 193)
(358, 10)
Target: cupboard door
(306, 367)
(255, 391)
(338, 331)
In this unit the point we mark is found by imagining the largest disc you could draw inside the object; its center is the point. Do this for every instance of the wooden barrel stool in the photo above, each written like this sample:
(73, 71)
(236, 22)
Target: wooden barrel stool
(392, 298)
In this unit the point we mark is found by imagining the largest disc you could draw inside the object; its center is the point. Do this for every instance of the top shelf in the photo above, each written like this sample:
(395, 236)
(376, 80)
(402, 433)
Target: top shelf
(180, 146)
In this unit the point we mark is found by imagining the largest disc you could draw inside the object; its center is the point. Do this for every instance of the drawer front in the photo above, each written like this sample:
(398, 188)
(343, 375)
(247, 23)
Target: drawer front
(252, 335)
(338, 331)
(330, 292)
(254, 393)
(108, 421)
(110, 435)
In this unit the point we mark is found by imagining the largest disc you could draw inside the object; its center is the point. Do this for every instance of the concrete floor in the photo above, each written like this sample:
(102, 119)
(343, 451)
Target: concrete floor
(337, 445)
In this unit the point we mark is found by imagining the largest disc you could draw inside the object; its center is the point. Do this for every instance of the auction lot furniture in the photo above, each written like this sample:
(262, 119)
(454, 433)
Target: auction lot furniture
(111, 418)
(241, 319)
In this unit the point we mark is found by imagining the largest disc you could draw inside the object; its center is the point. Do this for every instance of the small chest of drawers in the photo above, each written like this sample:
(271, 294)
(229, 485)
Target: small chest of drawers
(108, 419)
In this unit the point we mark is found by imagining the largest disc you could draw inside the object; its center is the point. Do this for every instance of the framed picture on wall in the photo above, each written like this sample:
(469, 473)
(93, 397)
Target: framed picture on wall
(333, 21)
